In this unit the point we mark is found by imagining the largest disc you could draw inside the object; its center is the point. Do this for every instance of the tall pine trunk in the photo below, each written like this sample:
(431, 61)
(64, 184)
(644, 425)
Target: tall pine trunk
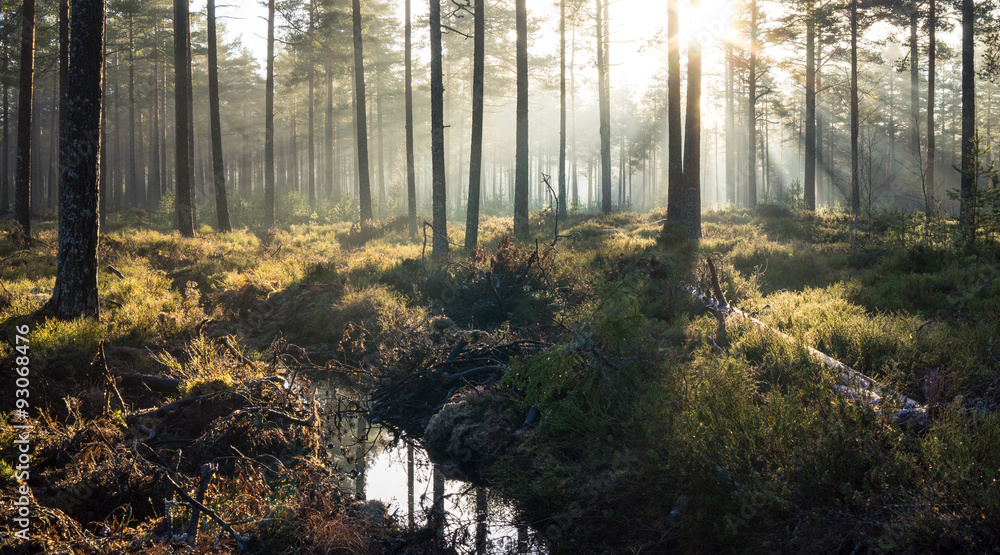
(809, 189)
(269, 122)
(312, 113)
(968, 119)
(63, 80)
(411, 179)
(22, 177)
(675, 162)
(521, 144)
(184, 199)
(692, 141)
(364, 178)
(730, 126)
(931, 63)
(476, 151)
(75, 291)
(155, 182)
(752, 110)
(439, 191)
(855, 169)
(133, 182)
(605, 107)
(562, 108)
(329, 153)
(218, 167)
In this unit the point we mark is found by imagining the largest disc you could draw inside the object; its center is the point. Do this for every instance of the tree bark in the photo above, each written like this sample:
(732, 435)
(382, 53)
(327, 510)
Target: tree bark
(855, 183)
(752, 110)
(439, 190)
(692, 140)
(914, 87)
(184, 199)
(269, 122)
(476, 151)
(730, 126)
(75, 291)
(931, 63)
(329, 153)
(133, 182)
(312, 111)
(22, 177)
(605, 107)
(809, 188)
(968, 117)
(675, 162)
(521, 156)
(364, 183)
(63, 81)
(218, 167)
(562, 109)
(411, 179)
(153, 193)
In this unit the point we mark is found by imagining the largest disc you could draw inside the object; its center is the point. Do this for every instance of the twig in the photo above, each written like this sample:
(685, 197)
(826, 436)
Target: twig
(195, 503)
(207, 471)
(115, 271)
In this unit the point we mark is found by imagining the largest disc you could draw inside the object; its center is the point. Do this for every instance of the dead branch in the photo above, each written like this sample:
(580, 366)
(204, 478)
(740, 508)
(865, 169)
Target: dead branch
(156, 383)
(195, 503)
(859, 384)
(207, 471)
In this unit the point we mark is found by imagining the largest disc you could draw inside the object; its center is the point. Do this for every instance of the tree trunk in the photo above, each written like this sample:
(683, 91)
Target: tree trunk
(411, 178)
(4, 170)
(692, 140)
(914, 87)
(809, 187)
(63, 82)
(329, 153)
(752, 110)
(269, 122)
(855, 184)
(675, 162)
(968, 118)
(730, 126)
(605, 108)
(521, 156)
(133, 183)
(312, 112)
(931, 63)
(476, 151)
(364, 183)
(383, 191)
(218, 167)
(439, 193)
(562, 109)
(153, 192)
(22, 178)
(184, 200)
(75, 291)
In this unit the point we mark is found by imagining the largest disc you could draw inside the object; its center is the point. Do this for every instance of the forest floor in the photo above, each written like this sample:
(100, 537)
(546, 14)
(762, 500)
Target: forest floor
(580, 381)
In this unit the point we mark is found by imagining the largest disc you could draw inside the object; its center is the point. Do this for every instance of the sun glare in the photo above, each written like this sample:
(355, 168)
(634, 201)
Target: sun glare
(711, 21)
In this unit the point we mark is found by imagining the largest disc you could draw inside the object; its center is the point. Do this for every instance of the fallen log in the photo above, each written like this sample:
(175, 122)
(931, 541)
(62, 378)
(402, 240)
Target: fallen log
(856, 386)
(155, 383)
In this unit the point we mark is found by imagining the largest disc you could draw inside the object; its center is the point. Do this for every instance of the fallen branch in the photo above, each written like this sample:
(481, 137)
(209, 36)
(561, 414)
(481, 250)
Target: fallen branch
(207, 471)
(195, 503)
(857, 385)
(155, 383)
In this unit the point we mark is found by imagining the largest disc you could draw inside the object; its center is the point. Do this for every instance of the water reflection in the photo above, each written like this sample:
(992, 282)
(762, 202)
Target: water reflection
(402, 476)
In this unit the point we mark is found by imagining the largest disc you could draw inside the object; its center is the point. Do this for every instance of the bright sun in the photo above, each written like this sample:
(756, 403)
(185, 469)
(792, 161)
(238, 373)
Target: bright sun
(710, 22)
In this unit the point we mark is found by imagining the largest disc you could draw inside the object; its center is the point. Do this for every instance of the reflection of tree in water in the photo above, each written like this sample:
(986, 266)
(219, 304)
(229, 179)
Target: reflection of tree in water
(471, 518)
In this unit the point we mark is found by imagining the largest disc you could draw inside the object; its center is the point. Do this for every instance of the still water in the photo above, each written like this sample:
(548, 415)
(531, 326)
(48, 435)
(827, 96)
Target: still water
(407, 482)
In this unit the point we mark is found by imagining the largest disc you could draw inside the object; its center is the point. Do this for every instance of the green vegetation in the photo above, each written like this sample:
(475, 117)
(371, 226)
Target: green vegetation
(650, 438)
